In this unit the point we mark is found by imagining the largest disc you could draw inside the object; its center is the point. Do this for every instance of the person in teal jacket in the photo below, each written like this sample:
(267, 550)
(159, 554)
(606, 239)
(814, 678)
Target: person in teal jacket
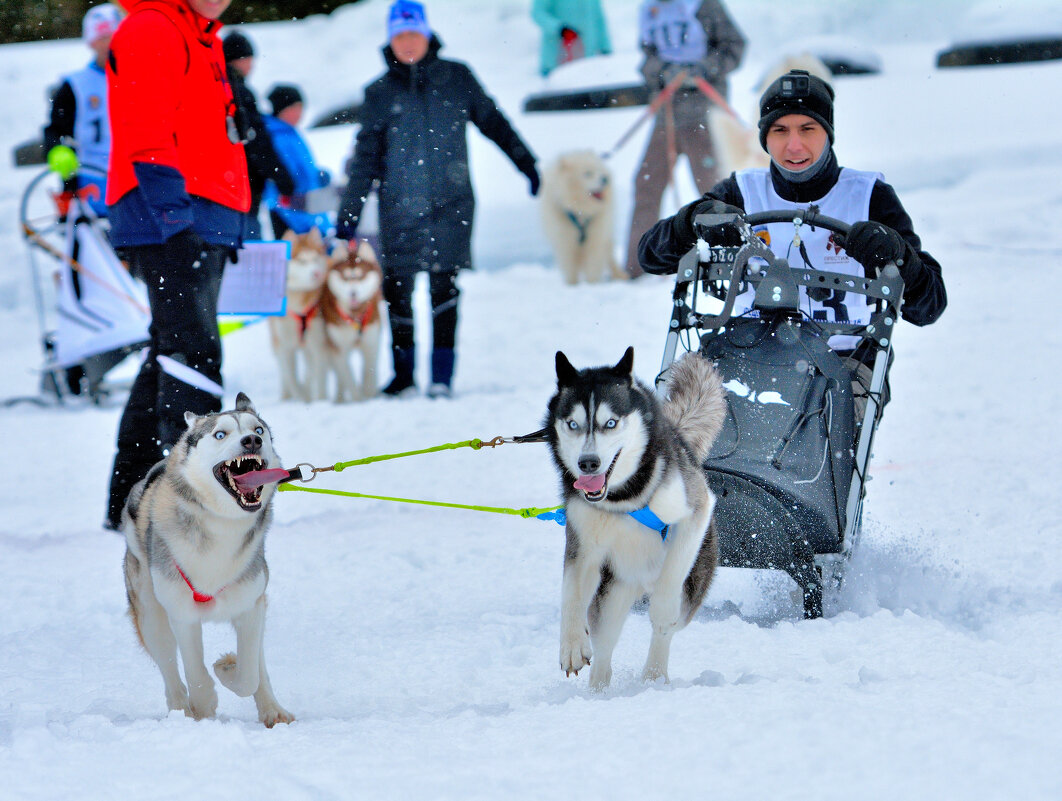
(571, 29)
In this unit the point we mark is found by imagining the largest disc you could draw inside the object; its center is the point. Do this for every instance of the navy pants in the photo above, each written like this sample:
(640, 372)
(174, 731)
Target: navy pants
(398, 292)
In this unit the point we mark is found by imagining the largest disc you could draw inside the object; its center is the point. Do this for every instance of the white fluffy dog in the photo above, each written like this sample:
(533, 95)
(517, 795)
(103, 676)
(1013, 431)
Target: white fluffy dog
(737, 147)
(577, 216)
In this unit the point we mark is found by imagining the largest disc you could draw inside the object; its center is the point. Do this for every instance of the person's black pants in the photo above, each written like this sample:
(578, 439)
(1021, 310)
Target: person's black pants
(398, 292)
(182, 370)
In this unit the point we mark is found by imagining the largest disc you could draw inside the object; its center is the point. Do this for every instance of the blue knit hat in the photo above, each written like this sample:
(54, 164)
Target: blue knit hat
(406, 15)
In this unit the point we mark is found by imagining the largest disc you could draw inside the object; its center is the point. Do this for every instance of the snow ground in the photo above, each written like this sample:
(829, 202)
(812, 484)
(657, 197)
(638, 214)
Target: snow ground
(417, 646)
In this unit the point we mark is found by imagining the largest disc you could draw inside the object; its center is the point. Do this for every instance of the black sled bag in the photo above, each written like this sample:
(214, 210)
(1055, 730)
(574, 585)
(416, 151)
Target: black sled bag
(782, 466)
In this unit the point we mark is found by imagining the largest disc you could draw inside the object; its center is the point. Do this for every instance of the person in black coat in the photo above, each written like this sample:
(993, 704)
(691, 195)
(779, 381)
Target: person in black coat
(263, 163)
(412, 141)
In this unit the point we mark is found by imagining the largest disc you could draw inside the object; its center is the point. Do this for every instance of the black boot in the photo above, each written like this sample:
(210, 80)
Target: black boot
(402, 384)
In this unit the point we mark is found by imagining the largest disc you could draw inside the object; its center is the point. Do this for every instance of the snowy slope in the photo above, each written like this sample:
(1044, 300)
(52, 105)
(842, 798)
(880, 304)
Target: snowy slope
(418, 646)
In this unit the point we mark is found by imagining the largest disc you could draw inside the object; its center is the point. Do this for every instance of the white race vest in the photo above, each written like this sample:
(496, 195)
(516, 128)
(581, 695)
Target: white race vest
(92, 130)
(672, 27)
(848, 201)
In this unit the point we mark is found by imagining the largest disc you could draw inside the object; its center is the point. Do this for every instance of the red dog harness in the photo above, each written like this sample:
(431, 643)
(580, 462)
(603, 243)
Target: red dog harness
(305, 317)
(367, 316)
(197, 596)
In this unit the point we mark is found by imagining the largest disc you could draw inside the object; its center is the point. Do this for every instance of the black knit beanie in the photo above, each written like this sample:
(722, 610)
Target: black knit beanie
(797, 92)
(236, 46)
(283, 95)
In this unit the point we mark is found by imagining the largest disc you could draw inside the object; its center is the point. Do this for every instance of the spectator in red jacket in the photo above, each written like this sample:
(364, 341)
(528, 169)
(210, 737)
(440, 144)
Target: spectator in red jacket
(177, 192)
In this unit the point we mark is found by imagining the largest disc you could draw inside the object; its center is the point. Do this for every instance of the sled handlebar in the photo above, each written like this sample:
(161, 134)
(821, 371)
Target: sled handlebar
(733, 266)
(809, 216)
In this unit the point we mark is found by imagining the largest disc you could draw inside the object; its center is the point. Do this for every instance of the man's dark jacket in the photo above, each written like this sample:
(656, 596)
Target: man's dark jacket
(263, 163)
(413, 142)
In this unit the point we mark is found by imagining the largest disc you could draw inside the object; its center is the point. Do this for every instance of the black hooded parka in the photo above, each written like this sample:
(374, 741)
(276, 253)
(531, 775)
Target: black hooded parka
(413, 142)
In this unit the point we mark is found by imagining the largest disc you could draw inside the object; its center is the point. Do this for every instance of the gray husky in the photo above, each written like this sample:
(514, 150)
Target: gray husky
(638, 507)
(195, 552)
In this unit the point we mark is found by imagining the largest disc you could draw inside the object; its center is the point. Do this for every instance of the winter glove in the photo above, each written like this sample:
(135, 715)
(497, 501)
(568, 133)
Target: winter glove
(874, 245)
(185, 248)
(532, 177)
(686, 233)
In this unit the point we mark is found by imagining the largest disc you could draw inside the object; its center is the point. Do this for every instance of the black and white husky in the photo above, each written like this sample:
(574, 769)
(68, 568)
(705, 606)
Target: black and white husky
(638, 506)
(195, 552)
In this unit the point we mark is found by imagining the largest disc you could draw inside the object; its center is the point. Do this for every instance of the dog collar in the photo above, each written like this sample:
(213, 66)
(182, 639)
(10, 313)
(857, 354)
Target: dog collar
(197, 596)
(646, 516)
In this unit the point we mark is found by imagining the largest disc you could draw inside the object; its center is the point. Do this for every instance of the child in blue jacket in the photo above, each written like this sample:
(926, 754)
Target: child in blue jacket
(293, 211)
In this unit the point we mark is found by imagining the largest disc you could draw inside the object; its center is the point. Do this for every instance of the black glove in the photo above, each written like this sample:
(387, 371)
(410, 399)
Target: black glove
(532, 177)
(185, 248)
(874, 245)
(686, 233)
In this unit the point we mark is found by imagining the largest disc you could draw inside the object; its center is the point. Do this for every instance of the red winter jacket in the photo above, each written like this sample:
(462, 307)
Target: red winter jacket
(171, 111)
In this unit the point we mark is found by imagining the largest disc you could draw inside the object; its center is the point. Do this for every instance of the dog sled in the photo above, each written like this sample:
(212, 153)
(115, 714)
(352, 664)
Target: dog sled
(90, 311)
(790, 466)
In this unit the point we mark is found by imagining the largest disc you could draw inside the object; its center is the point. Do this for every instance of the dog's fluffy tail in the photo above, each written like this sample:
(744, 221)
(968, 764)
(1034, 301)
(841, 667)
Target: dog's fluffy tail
(696, 402)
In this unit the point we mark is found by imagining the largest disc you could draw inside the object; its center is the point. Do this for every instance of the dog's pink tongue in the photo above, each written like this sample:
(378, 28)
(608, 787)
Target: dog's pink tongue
(590, 483)
(256, 478)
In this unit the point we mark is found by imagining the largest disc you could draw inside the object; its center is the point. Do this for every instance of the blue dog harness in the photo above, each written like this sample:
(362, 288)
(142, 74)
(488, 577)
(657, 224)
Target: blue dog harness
(646, 516)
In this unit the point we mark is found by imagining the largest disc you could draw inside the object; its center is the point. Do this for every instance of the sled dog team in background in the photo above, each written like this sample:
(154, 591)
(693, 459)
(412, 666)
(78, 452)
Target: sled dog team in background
(334, 299)
(190, 158)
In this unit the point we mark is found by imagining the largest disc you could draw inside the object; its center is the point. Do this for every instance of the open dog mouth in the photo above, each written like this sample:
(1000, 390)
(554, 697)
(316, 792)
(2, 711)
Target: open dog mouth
(249, 498)
(595, 486)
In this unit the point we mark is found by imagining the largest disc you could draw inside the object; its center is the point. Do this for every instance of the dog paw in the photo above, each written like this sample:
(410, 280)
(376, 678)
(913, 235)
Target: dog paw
(272, 714)
(202, 699)
(652, 673)
(665, 615)
(600, 678)
(203, 705)
(177, 699)
(575, 653)
(226, 669)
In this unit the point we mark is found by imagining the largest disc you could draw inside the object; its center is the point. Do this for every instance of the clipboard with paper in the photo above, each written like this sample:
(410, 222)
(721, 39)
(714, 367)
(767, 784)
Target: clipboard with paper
(256, 284)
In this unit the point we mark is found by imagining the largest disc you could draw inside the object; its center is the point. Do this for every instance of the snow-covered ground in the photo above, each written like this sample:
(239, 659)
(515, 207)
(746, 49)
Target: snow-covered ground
(418, 646)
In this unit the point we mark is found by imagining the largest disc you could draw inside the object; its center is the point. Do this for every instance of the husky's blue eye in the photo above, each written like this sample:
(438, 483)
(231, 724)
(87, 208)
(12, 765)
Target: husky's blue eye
(574, 426)
(219, 435)
(611, 423)
(259, 430)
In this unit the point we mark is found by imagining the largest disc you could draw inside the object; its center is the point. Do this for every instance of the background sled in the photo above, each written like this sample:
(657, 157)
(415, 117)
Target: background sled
(91, 313)
(790, 465)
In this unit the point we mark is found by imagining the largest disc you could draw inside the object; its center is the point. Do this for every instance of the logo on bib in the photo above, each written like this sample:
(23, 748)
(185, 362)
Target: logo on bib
(835, 254)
